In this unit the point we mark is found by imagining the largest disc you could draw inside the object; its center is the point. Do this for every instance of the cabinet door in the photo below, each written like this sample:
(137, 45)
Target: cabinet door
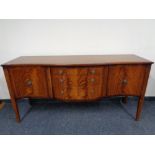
(126, 79)
(79, 83)
(29, 81)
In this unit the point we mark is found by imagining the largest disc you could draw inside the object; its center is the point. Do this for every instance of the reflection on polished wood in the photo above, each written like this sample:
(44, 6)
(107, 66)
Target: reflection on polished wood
(77, 78)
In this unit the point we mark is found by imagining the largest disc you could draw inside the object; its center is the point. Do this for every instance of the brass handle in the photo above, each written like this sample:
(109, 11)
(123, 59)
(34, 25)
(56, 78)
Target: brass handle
(62, 92)
(29, 83)
(92, 80)
(92, 91)
(93, 71)
(124, 81)
(60, 72)
(61, 80)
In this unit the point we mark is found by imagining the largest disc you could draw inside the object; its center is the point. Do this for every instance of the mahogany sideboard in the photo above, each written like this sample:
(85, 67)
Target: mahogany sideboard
(77, 78)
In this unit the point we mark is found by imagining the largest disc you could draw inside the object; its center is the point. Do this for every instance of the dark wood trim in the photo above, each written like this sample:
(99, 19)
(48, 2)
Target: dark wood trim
(49, 82)
(80, 60)
(107, 76)
(77, 65)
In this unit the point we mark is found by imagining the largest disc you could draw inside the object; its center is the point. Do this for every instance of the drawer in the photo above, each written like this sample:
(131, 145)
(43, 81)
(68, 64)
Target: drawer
(79, 83)
(61, 71)
(126, 79)
(96, 82)
(29, 81)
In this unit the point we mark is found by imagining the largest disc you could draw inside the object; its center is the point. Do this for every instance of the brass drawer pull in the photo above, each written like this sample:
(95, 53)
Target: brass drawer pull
(93, 71)
(60, 72)
(29, 83)
(92, 80)
(124, 82)
(61, 80)
(62, 92)
(92, 91)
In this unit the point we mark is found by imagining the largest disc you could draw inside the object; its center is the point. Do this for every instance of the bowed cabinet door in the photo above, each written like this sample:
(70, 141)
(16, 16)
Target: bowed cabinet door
(126, 79)
(29, 81)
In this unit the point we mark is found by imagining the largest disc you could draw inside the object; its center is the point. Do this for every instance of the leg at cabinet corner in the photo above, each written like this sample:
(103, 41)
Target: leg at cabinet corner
(13, 100)
(15, 107)
(141, 97)
(139, 107)
(125, 99)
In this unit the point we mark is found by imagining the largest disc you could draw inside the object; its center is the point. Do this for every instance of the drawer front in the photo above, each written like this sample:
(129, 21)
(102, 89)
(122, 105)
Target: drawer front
(96, 82)
(84, 83)
(126, 79)
(29, 81)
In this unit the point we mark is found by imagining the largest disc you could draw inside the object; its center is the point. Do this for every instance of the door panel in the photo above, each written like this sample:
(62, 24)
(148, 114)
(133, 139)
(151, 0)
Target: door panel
(29, 81)
(125, 79)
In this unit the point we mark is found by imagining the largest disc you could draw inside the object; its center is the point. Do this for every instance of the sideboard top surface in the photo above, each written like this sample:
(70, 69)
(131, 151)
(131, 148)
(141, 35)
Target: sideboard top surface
(77, 60)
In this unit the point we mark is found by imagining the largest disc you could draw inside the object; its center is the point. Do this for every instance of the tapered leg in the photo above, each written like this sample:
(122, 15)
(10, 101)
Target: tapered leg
(139, 107)
(1, 104)
(125, 99)
(15, 108)
(141, 97)
(13, 100)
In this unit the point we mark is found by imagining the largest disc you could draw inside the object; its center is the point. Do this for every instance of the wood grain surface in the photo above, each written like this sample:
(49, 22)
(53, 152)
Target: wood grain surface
(126, 79)
(1, 105)
(78, 60)
(29, 81)
(77, 78)
(79, 83)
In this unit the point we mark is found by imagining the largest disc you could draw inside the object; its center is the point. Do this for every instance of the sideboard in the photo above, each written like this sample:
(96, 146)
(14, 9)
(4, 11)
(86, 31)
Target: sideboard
(77, 78)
